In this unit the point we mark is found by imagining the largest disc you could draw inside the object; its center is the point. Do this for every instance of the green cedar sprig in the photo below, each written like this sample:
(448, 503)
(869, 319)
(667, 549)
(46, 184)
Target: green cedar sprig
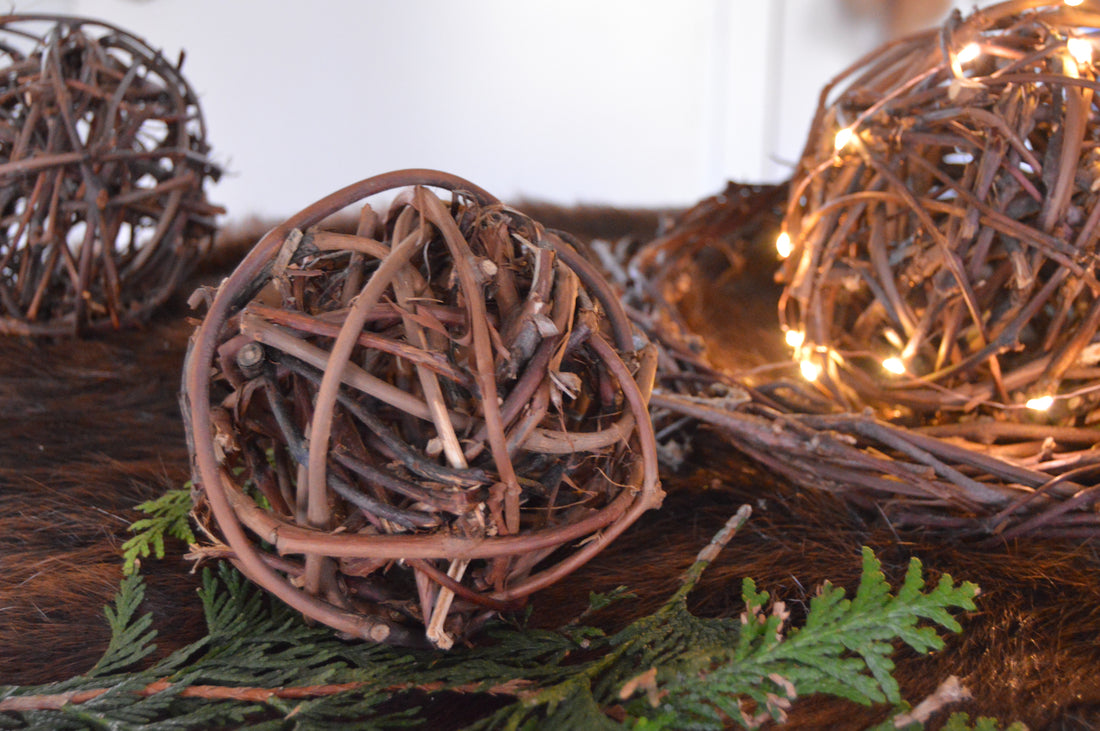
(131, 635)
(675, 670)
(169, 515)
(260, 665)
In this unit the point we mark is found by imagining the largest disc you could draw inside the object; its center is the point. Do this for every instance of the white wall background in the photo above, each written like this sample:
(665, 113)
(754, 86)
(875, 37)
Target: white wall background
(625, 102)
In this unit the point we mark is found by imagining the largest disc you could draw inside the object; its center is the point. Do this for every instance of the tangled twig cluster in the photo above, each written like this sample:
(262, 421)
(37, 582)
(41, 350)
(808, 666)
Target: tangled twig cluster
(952, 226)
(421, 422)
(943, 223)
(102, 163)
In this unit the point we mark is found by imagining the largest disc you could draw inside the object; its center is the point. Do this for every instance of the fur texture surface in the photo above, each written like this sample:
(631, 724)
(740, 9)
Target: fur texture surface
(91, 428)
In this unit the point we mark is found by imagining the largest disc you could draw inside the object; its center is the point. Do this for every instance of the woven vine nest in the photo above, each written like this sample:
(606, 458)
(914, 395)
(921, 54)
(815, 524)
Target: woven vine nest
(103, 158)
(953, 228)
(402, 430)
(944, 223)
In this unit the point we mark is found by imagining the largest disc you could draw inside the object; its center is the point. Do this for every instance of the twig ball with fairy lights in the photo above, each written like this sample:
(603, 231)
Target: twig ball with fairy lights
(103, 158)
(943, 222)
(402, 430)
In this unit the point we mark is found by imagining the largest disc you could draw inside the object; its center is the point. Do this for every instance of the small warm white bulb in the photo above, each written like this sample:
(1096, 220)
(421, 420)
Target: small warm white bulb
(795, 338)
(1074, 3)
(1040, 403)
(1080, 49)
(843, 137)
(810, 370)
(783, 245)
(968, 53)
(894, 365)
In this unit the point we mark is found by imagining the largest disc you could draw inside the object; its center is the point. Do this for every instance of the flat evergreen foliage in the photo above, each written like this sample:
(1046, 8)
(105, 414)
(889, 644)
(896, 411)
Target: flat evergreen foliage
(169, 515)
(262, 667)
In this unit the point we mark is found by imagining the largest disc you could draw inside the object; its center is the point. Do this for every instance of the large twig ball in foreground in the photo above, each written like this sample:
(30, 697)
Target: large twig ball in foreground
(419, 423)
(943, 222)
(103, 158)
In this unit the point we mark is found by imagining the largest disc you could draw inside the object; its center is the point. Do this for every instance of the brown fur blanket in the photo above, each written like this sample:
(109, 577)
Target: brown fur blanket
(90, 428)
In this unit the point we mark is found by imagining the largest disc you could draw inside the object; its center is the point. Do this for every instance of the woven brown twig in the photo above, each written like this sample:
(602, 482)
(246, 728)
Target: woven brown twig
(944, 219)
(102, 162)
(425, 420)
(895, 231)
(707, 261)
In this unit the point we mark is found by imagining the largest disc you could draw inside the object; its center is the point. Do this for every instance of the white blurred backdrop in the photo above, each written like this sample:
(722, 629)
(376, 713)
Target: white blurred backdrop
(623, 102)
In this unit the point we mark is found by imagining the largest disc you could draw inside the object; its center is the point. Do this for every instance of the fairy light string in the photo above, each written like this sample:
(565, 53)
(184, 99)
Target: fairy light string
(943, 361)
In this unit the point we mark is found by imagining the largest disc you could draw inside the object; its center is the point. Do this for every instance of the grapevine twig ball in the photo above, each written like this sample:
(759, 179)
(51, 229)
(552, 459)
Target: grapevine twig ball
(943, 223)
(407, 428)
(102, 163)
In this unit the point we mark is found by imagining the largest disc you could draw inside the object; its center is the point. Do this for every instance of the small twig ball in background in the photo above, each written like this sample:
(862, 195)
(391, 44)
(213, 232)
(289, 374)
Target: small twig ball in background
(103, 158)
(943, 223)
(418, 424)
